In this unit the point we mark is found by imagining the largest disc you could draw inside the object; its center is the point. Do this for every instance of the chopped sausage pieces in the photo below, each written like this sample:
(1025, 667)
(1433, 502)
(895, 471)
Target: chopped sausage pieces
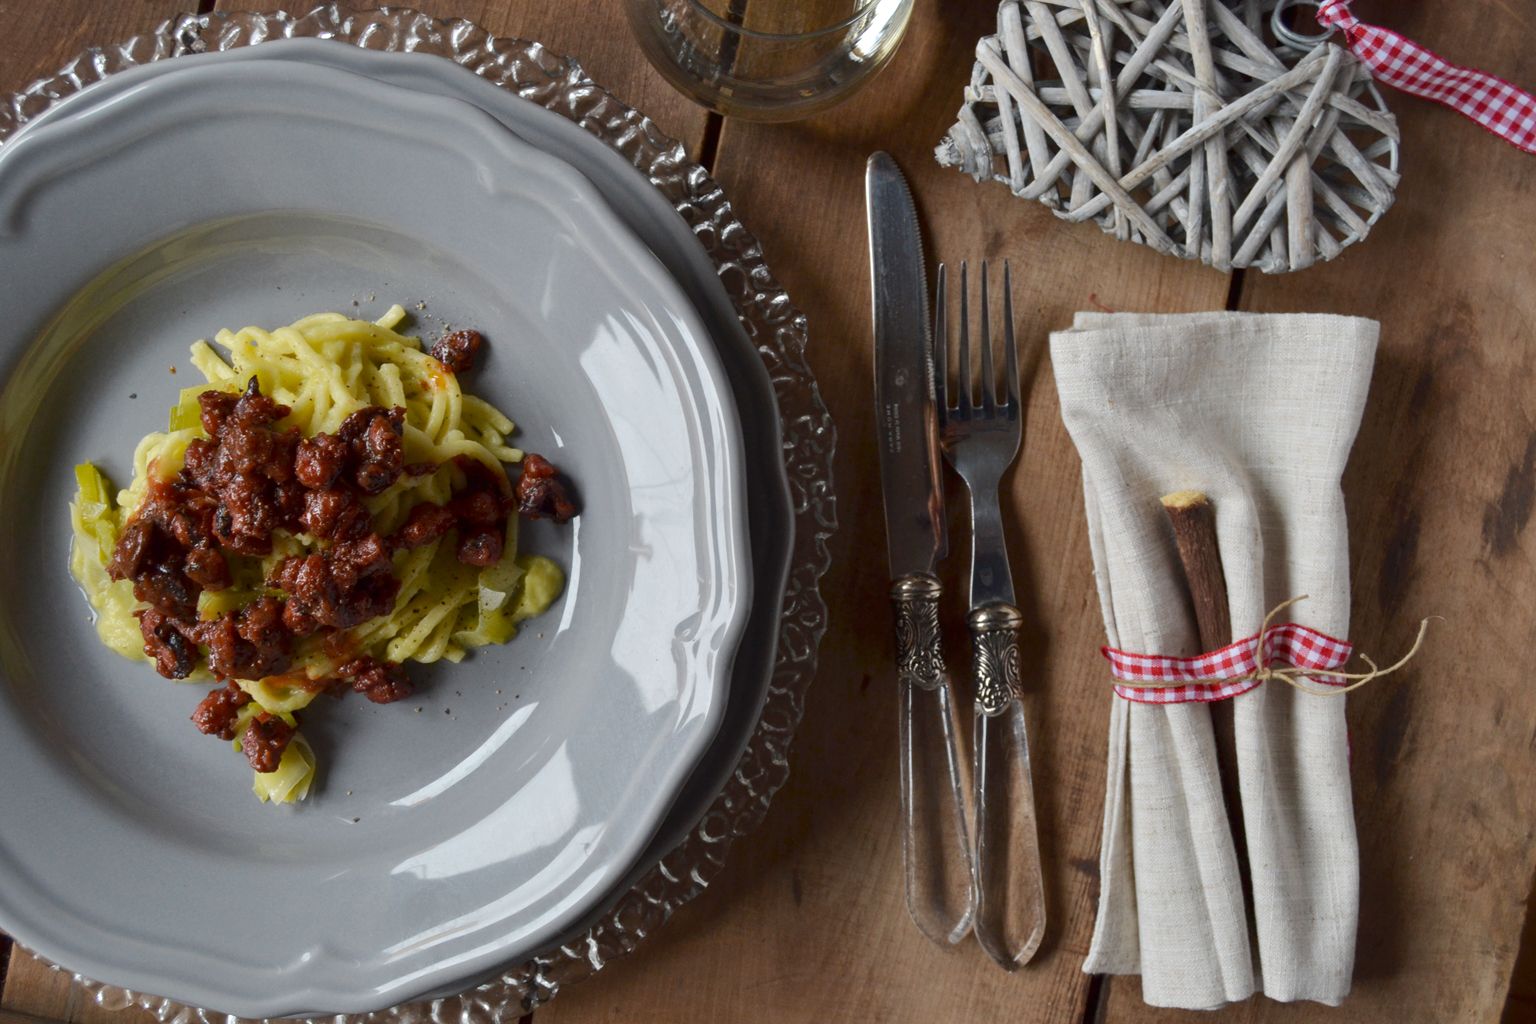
(457, 351)
(249, 479)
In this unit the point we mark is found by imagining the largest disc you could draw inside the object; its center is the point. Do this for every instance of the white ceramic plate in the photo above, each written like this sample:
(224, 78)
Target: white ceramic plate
(487, 823)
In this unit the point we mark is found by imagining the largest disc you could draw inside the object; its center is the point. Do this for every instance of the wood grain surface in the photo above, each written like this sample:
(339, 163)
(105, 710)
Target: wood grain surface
(807, 922)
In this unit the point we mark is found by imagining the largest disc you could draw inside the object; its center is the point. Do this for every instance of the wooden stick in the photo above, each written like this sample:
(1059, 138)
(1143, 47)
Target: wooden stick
(1194, 529)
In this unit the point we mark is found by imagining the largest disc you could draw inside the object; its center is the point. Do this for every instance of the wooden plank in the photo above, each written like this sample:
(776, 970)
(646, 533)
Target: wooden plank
(12, 1017)
(1521, 1005)
(39, 37)
(593, 31)
(1439, 494)
(808, 921)
(33, 988)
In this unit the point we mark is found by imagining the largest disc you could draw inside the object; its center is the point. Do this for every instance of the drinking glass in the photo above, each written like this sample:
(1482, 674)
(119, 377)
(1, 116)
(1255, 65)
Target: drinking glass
(769, 60)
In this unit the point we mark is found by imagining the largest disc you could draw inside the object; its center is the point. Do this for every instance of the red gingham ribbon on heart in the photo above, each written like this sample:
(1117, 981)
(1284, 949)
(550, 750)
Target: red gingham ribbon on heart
(1234, 669)
(1498, 106)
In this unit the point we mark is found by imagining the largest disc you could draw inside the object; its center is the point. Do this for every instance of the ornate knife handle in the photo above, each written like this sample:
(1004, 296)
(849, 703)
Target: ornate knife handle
(995, 655)
(919, 659)
(935, 843)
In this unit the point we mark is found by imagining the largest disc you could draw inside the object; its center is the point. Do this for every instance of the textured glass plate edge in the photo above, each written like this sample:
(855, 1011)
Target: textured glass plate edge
(777, 331)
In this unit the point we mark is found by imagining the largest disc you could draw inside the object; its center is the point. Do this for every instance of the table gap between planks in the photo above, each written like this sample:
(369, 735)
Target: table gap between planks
(807, 922)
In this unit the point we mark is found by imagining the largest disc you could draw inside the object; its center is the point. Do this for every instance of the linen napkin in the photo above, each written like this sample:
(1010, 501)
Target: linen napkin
(1260, 412)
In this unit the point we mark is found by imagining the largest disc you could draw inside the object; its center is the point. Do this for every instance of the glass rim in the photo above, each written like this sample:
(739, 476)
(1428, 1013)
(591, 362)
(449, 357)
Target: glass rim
(865, 6)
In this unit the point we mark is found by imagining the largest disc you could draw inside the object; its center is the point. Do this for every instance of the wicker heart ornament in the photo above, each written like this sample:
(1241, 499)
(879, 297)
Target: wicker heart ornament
(1181, 125)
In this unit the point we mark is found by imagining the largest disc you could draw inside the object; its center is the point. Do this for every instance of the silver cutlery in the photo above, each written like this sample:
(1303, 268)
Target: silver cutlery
(981, 441)
(936, 849)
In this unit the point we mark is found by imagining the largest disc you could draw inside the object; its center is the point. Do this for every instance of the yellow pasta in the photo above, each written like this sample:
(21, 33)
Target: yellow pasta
(325, 367)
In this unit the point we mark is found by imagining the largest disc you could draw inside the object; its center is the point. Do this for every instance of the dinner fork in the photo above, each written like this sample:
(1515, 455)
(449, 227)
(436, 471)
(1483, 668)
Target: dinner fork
(981, 441)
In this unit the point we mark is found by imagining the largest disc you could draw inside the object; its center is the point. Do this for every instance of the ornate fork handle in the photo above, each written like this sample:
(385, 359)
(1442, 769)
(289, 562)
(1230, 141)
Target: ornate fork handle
(1010, 891)
(995, 656)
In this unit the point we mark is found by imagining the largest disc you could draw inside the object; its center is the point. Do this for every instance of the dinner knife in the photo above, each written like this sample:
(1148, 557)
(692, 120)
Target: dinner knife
(935, 845)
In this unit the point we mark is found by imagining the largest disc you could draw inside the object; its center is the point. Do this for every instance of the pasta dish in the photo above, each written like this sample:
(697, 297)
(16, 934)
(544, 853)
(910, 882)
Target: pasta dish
(329, 505)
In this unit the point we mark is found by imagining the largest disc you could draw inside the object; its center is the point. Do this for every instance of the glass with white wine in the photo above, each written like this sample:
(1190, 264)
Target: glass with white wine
(769, 60)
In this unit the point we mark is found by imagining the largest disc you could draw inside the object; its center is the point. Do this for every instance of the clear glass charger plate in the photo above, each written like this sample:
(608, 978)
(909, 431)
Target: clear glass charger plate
(777, 332)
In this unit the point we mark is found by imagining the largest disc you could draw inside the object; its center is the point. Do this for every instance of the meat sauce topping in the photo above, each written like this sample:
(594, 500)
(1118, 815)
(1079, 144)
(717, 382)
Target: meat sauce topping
(216, 713)
(265, 740)
(248, 479)
(457, 351)
(541, 494)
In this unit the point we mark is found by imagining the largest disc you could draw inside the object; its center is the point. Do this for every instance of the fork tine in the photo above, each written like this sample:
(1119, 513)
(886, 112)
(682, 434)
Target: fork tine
(963, 370)
(988, 373)
(941, 347)
(1010, 350)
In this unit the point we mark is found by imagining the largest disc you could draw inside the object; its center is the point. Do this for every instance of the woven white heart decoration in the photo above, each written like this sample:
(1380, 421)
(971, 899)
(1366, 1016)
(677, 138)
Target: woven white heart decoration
(1177, 124)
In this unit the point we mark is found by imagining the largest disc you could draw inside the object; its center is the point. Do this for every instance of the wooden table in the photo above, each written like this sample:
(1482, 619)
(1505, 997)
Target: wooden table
(807, 922)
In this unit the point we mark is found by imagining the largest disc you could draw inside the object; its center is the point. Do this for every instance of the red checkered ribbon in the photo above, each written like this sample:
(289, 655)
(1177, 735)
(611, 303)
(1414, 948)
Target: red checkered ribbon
(1508, 112)
(1233, 670)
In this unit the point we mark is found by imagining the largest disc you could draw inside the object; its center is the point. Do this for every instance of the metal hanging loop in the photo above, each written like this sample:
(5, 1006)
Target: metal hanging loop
(1287, 35)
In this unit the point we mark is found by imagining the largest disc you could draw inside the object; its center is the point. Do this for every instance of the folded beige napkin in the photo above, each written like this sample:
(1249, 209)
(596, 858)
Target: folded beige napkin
(1260, 412)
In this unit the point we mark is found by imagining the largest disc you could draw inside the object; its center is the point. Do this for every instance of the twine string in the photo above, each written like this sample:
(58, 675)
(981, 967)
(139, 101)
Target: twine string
(1293, 676)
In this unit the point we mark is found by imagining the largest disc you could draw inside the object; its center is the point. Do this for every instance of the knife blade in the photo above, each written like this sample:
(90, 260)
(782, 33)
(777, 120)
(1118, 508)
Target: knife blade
(940, 877)
(916, 537)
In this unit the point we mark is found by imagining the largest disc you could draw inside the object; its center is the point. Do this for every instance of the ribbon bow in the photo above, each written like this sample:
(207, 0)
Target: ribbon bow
(1498, 106)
